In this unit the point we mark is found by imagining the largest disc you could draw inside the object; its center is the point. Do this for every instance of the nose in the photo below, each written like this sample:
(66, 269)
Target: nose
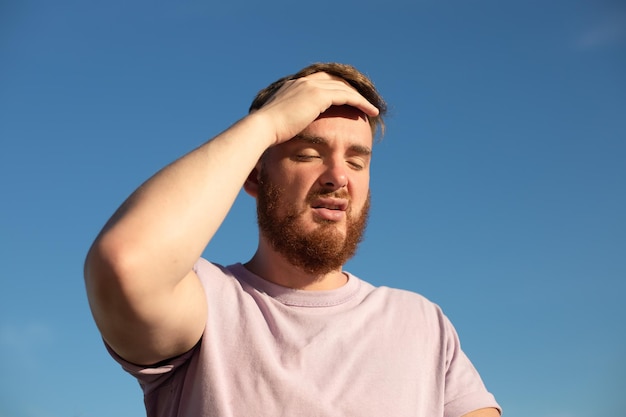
(335, 175)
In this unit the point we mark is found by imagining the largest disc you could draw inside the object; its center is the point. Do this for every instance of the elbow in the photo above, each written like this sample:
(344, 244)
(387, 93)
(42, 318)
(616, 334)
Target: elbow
(107, 271)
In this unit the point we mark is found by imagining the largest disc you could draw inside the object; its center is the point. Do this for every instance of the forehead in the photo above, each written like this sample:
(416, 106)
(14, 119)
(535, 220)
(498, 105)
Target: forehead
(341, 122)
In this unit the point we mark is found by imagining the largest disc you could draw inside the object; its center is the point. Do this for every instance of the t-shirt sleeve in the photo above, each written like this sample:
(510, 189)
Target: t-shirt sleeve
(151, 378)
(464, 389)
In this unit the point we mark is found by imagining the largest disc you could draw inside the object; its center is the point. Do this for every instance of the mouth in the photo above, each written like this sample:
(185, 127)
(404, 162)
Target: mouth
(330, 209)
(338, 204)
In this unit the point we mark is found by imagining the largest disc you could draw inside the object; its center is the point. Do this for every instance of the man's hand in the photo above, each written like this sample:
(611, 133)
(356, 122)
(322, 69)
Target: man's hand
(299, 102)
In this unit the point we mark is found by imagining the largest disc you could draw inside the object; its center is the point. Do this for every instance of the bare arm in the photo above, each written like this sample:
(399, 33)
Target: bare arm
(483, 412)
(145, 298)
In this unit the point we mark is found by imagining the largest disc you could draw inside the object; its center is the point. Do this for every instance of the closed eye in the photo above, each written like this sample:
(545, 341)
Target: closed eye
(306, 157)
(356, 164)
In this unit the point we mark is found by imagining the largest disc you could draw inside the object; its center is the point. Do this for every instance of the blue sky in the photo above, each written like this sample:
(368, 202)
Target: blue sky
(498, 191)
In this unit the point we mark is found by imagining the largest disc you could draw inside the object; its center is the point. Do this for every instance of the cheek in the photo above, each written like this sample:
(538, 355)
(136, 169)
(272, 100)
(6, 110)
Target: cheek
(360, 187)
(293, 190)
(360, 195)
(297, 182)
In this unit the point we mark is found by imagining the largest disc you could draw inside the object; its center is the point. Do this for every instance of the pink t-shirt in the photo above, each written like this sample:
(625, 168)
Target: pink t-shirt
(356, 351)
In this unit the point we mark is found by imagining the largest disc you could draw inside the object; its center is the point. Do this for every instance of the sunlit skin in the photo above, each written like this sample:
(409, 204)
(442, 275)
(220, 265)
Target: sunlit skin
(332, 155)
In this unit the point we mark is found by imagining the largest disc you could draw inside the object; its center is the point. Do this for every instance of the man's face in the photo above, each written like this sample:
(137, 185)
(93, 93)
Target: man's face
(313, 196)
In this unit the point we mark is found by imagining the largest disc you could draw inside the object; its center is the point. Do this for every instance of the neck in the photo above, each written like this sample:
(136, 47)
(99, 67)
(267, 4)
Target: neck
(275, 268)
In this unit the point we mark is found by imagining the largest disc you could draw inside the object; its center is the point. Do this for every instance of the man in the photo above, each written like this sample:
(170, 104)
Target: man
(288, 333)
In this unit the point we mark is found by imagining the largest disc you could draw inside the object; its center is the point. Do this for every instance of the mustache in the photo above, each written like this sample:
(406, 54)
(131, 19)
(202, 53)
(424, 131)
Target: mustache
(314, 194)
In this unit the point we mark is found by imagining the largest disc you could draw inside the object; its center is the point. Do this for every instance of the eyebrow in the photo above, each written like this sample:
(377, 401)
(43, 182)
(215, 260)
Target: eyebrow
(318, 140)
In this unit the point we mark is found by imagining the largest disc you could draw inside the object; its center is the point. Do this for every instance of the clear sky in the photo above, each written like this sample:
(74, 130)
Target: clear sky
(498, 191)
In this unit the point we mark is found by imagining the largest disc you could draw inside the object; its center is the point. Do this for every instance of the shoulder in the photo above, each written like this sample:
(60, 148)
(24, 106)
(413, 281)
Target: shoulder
(204, 268)
(400, 299)
(229, 286)
(404, 306)
(212, 274)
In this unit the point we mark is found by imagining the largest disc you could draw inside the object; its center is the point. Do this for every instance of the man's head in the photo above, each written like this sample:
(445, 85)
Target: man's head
(359, 81)
(313, 190)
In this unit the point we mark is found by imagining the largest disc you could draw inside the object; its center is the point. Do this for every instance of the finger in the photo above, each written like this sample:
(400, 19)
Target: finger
(353, 97)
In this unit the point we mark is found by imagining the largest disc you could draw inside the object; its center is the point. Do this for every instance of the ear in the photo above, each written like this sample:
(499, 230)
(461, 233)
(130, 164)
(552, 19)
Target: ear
(251, 185)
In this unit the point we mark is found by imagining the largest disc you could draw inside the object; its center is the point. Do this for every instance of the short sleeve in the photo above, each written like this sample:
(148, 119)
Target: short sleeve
(464, 389)
(151, 378)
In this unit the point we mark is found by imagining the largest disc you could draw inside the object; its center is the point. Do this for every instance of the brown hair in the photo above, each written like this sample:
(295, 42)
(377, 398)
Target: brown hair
(350, 74)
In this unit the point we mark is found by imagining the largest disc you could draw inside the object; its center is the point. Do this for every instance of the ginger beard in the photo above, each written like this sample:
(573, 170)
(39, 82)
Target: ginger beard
(320, 251)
